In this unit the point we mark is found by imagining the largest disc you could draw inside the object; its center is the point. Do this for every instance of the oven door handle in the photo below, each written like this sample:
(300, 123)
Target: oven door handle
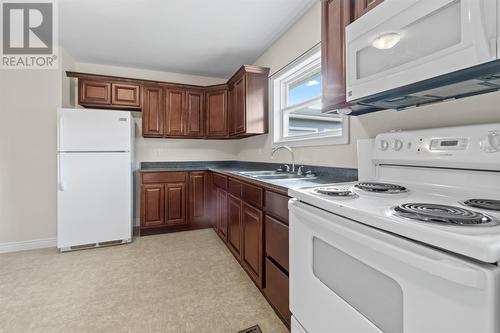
(410, 254)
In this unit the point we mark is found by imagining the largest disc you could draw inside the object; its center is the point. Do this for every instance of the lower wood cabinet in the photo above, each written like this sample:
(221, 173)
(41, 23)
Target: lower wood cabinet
(221, 211)
(174, 201)
(252, 225)
(175, 204)
(153, 205)
(234, 238)
(199, 198)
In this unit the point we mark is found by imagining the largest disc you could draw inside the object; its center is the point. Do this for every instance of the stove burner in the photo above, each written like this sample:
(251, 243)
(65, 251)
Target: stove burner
(335, 191)
(483, 203)
(381, 187)
(443, 214)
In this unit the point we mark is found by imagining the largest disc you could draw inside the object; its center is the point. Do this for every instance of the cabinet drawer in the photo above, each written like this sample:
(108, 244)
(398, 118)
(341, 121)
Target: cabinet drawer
(220, 181)
(277, 241)
(277, 290)
(235, 187)
(163, 177)
(277, 206)
(252, 195)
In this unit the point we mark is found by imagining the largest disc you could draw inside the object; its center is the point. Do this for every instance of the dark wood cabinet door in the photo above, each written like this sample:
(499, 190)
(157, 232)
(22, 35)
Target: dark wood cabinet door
(195, 116)
(361, 7)
(234, 233)
(152, 205)
(217, 113)
(252, 242)
(238, 112)
(126, 94)
(335, 16)
(174, 112)
(94, 92)
(222, 213)
(152, 113)
(175, 203)
(198, 197)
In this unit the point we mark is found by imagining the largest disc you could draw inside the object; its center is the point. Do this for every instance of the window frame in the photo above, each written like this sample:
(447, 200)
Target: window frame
(279, 82)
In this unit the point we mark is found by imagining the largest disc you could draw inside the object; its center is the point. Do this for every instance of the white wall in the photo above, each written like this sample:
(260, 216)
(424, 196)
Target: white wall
(305, 34)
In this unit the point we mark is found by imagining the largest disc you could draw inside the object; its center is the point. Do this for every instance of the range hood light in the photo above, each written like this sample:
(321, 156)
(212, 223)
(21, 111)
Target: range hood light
(386, 41)
(344, 111)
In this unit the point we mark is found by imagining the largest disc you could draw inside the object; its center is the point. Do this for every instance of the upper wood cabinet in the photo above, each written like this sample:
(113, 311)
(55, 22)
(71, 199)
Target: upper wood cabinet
(152, 117)
(361, 7)
(216, 107)
(174, 112)
(234, 110)
(126, 94)
(195, 113)
(93, 92)
(335, 16)
(248, 105)
(109, 94)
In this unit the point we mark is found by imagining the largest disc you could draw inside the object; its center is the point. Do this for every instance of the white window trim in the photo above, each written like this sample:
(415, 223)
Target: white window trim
(275, 83)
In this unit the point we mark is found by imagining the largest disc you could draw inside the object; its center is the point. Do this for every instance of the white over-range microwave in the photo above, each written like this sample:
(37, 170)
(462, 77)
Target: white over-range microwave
(411, 52)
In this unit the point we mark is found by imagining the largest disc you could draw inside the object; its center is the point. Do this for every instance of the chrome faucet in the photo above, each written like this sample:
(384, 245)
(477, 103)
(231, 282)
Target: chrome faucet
(291, 152)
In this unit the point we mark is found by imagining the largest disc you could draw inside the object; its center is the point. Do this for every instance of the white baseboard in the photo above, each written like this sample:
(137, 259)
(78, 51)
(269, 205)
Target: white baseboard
(28, 245)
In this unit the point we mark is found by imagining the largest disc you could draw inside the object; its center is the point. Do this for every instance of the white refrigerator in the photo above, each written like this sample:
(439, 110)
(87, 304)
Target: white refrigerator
(94, 178)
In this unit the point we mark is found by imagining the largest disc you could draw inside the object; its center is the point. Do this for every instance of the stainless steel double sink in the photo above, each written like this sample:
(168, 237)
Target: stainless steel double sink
(273, 175)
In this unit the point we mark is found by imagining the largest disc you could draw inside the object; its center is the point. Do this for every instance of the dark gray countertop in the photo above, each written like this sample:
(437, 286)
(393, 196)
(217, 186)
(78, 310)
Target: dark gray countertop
(325, 175)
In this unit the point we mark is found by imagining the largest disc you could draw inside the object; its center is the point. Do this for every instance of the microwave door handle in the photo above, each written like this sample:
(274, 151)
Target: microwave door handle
(444, 268)
(477, 17)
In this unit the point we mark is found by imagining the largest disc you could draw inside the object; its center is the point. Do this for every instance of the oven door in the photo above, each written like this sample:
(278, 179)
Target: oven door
(436, 37)
(348, 277)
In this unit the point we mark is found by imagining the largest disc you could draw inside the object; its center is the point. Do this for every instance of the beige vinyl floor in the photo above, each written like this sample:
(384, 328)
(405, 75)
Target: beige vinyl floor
(180, 282)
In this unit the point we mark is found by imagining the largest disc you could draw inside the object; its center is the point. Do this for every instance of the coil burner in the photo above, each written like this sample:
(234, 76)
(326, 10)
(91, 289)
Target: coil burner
(381, 187)
(443, 214)
(335, 191)
(483, 204)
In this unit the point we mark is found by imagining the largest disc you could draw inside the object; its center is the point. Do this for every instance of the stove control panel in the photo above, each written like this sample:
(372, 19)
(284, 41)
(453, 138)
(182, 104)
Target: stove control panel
(469, 147)
(449, 144)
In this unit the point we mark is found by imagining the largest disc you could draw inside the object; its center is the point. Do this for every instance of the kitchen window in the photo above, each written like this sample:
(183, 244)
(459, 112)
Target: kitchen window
(296, 104)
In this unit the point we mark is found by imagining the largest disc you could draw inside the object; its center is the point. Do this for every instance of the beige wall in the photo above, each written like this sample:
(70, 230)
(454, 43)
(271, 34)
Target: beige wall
(305, 34)
(28, 104)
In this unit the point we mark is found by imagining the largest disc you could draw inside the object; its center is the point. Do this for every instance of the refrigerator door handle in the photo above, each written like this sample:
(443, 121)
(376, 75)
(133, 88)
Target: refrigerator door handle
(60, 175)
(60, 133)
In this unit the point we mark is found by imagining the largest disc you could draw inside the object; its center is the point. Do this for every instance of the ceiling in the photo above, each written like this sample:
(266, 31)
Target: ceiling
(201, 37)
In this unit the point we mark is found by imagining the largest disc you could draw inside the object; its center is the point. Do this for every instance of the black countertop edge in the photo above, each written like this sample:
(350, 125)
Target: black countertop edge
(325, 174)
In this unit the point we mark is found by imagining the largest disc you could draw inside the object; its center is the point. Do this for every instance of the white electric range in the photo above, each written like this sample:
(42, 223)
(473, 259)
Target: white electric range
(414, 246)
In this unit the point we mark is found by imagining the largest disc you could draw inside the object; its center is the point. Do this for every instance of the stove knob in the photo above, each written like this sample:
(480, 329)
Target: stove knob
(397, 144)
(384, 145)
(491, 142)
